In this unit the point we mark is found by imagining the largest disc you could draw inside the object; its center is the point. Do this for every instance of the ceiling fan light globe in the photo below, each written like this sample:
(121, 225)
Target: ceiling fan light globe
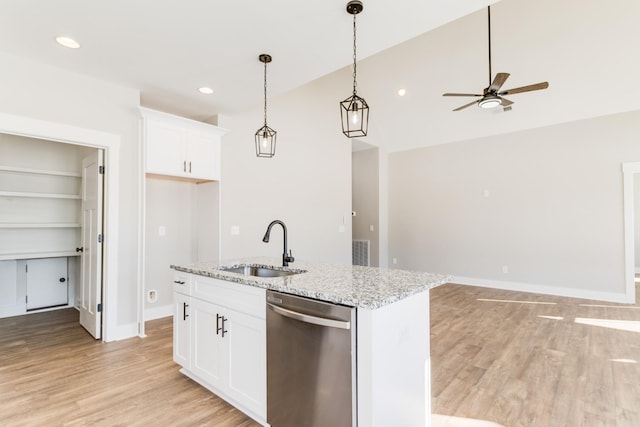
(490, 102)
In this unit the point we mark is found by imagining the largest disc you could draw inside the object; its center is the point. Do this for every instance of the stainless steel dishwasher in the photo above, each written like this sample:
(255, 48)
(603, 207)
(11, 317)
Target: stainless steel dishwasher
(311, 363)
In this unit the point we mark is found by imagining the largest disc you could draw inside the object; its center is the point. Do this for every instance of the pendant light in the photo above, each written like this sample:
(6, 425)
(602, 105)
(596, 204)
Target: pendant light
(354, 110)
(265, 136)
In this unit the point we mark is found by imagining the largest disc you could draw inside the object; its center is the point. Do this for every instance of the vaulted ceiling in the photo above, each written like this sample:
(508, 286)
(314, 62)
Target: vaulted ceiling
(168, 49)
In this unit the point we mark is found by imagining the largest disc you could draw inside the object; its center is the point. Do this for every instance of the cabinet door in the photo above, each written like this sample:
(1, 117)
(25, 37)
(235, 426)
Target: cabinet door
(203, 156)
(181, 330)
(47, 284)
(165, 146)
(207, 345)
(247, 374)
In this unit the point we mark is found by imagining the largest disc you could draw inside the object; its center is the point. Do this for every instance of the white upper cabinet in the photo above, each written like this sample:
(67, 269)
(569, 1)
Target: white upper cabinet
(179, 147)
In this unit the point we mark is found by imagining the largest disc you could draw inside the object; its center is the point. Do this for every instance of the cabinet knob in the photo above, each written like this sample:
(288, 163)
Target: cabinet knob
(179, 282)
(79, 249)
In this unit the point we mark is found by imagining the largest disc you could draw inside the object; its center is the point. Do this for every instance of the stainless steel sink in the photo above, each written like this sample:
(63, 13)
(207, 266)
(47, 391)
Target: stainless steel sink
(262, 271)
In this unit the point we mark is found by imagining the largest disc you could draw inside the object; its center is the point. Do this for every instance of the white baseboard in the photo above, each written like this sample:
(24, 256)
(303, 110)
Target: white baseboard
(130, 330)
(545, 290)
(158, 312)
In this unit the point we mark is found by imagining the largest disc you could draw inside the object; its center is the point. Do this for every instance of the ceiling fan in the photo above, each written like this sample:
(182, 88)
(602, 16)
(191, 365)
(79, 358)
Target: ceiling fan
(492, 96)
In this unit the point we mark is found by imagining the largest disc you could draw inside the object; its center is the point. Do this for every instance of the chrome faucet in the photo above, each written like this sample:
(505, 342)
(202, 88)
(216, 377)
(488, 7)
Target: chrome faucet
(286, 258)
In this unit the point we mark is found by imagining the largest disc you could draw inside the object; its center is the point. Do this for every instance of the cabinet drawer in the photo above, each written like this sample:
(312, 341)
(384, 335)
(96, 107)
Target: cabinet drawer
(243, 298)
(182, 283)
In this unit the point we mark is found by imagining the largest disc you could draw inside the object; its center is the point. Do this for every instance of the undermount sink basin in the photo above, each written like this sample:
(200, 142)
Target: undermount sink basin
(251, 270)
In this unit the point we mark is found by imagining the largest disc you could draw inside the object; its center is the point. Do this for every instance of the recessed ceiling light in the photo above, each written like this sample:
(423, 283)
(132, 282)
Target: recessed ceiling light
(205, 90)
(68, 42)
(402, 92)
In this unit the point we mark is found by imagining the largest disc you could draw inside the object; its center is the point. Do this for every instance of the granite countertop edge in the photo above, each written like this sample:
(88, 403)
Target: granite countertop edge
(355, 286)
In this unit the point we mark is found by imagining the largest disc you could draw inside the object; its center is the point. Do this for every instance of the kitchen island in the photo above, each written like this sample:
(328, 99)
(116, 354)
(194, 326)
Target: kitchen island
(392, 332)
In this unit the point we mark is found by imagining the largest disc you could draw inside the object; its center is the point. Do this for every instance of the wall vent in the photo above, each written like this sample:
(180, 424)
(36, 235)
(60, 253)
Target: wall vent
(360, 252)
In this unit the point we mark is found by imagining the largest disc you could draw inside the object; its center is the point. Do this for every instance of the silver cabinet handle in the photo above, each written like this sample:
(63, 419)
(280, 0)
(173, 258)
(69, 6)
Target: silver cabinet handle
(306, 318)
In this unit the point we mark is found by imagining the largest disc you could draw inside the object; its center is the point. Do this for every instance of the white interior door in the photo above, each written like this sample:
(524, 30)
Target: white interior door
(91, 255)
(47, 282)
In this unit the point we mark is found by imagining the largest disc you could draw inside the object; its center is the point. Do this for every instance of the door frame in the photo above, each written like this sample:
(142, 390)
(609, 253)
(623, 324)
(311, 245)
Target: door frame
(628, 172)
(110, 143)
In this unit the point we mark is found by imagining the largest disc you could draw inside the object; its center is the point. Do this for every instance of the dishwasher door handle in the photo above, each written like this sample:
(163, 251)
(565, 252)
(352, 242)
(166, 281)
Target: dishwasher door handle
(306, 318)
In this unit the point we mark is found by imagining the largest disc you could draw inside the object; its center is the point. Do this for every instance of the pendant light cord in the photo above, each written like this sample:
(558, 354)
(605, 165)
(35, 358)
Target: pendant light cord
(354, 54)
(265, 93)
(489, 27)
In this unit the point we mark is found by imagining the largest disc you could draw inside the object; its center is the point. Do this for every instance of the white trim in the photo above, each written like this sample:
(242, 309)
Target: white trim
(545, 289)
(158, 312)
(628, 172)
(110, 143)
(123, 332)
(142, 210)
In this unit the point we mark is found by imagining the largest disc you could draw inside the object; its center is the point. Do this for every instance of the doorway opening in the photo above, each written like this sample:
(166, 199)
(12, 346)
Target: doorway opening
(109, 145)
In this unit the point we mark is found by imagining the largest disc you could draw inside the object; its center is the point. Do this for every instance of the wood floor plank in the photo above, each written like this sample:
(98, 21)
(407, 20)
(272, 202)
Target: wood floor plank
(514, 359)
(547, 361)
(52, 373)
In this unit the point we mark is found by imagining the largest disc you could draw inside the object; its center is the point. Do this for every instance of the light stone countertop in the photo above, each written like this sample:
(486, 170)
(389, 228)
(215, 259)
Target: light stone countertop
(355, 286)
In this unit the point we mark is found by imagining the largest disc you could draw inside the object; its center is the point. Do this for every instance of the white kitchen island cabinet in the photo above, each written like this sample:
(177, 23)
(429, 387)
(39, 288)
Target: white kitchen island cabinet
(219, 339)
(392, 333)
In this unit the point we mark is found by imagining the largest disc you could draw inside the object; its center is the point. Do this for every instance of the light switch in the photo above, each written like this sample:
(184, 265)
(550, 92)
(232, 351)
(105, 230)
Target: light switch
(341, 228)
(371, 228)
(162, 231)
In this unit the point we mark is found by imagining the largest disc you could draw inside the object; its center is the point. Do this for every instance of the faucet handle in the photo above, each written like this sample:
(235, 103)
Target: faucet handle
(289, 258)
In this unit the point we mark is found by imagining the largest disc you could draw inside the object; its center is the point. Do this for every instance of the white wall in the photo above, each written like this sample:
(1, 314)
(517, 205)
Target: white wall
(168, 205)
(365, 166)
(46, 93)
(189, 214)
(553, 215)
(307, 184)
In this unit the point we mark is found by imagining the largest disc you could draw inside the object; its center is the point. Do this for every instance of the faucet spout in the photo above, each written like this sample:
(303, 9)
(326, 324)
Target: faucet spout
(286, 257)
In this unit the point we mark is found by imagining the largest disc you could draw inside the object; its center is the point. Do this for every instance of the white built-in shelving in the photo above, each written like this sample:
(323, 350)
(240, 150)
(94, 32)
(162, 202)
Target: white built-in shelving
(39, 212)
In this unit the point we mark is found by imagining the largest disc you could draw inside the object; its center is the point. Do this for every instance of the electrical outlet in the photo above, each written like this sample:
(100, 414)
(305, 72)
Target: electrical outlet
(505, 269)
(235, 230)
(152, 296)
(394, 261)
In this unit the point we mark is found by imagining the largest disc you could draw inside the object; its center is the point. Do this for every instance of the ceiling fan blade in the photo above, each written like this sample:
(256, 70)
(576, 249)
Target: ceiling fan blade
(505, 102)
(466, 105)
(461, 94)
(528, 88)
(498, 81)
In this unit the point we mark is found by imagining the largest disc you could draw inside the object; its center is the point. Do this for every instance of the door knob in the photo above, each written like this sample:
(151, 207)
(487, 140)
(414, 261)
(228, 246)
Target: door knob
(79, 249)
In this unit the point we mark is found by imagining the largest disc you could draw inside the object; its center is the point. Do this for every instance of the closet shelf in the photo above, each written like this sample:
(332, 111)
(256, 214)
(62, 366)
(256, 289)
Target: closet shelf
(30, 255)
(39, 171)
(40, 225)
(39, 195)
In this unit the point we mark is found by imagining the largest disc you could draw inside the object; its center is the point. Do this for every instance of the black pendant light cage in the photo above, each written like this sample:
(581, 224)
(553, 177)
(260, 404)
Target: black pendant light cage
(265, 136)
(354, 111)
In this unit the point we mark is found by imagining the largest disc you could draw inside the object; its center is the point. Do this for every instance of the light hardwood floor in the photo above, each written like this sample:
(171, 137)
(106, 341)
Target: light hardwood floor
(519, 359)
(506, 358)
(52, 373)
